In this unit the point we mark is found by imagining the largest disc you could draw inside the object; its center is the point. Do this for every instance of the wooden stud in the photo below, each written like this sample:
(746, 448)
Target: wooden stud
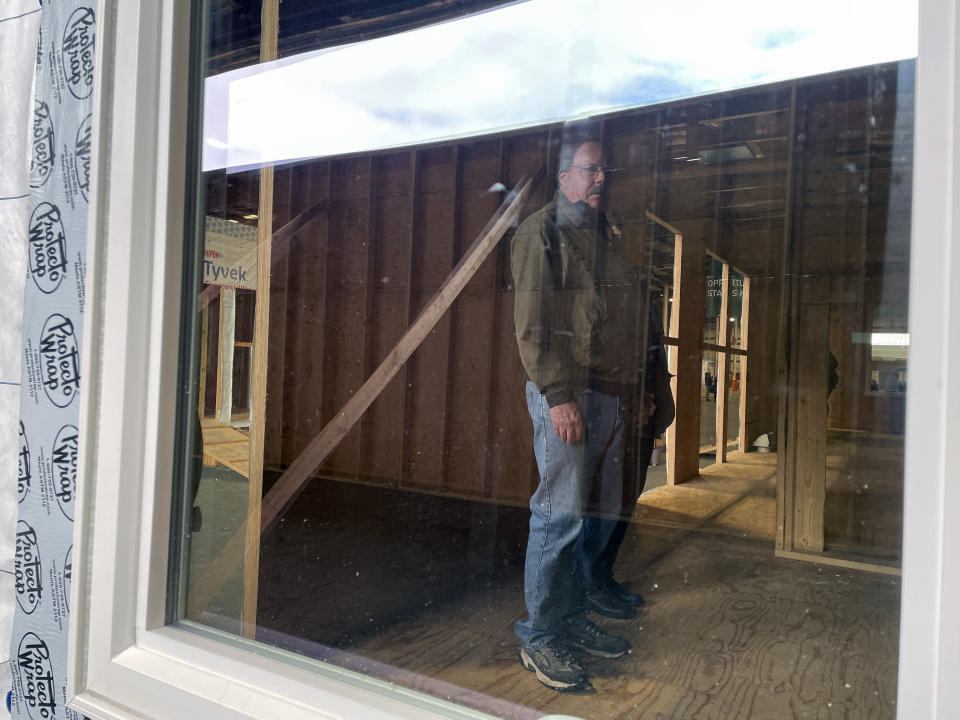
(269, 23)
(369, 289)
(489, 480)
(327, 302)
(261, 330)
(219, 395)
(786, 327)
(408, 372)
(450, 380)
(204, 351)
(300, 356)
(296, 192)
(744, 336)
(811, 422)
(723, 386)
(228, 323)
(673, 332)
(863, 322)
(673, 354)
(722, 369)
(665, 320)
(690, 323)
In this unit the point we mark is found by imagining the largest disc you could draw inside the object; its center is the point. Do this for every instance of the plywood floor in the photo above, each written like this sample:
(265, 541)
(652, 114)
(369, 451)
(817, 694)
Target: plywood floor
(736, 498)
(225, 445)
(423, 592)
(729, 633)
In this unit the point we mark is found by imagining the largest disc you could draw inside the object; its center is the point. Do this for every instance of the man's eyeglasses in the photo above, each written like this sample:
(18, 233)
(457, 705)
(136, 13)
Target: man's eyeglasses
(597, 169)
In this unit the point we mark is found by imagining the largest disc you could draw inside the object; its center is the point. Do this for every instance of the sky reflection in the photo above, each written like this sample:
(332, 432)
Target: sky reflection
(530, 63)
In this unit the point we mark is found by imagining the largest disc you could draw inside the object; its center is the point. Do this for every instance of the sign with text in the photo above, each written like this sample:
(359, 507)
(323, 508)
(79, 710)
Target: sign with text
(230, 254)
(714, 290)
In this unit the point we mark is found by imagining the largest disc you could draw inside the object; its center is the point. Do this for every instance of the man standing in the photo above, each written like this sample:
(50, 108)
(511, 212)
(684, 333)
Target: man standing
(583, 330)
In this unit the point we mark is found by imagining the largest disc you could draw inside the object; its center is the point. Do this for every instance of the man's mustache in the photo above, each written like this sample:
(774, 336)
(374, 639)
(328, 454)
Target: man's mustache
(597, 190)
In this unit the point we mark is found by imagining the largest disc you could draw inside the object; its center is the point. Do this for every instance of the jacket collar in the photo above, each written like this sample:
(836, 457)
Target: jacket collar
(576, 215)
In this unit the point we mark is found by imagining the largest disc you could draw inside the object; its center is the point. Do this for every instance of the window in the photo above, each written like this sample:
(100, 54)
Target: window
(413, 494)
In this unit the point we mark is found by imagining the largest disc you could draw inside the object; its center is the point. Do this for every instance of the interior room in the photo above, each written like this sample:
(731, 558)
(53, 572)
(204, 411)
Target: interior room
(367, 458)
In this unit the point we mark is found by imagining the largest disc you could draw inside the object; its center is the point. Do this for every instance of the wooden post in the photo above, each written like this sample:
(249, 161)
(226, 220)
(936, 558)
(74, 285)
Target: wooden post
(369, 291)
(326, 310)
(449, 380)
(204, 351)
(496, 310)
(864, 323)
(269, 29)
(723, 361)
(673, 359)
(409, 313)
(228, 322)
(811, 420)
(744, 335)
(687, 321)
(786, 338)
(673, 351)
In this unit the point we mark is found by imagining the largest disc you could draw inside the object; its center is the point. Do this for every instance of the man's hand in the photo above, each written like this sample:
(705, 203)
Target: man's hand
(567, 422)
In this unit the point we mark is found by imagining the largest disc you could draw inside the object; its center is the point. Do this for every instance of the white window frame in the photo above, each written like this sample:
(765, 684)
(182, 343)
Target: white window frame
(125, 663)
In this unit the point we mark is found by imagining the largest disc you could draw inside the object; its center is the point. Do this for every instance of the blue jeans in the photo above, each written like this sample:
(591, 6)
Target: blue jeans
(572, 513)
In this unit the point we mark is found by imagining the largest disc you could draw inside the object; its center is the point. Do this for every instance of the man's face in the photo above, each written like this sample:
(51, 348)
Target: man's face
(585, 179)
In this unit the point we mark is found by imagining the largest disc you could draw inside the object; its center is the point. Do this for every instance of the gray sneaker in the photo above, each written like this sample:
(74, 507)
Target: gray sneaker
(556, 667)
(593, 639)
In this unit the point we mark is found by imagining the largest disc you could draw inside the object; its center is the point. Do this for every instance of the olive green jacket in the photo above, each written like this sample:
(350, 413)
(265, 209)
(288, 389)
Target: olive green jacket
(581, 309)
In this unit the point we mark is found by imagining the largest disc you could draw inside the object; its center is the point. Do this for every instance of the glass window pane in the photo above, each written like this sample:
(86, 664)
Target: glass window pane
(475, 348)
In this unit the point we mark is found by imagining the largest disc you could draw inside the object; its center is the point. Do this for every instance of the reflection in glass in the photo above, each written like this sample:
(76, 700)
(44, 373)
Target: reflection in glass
(525, 63)
(362, 493)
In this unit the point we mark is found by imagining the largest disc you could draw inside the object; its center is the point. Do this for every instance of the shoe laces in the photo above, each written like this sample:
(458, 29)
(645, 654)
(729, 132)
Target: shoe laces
(592, 629)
